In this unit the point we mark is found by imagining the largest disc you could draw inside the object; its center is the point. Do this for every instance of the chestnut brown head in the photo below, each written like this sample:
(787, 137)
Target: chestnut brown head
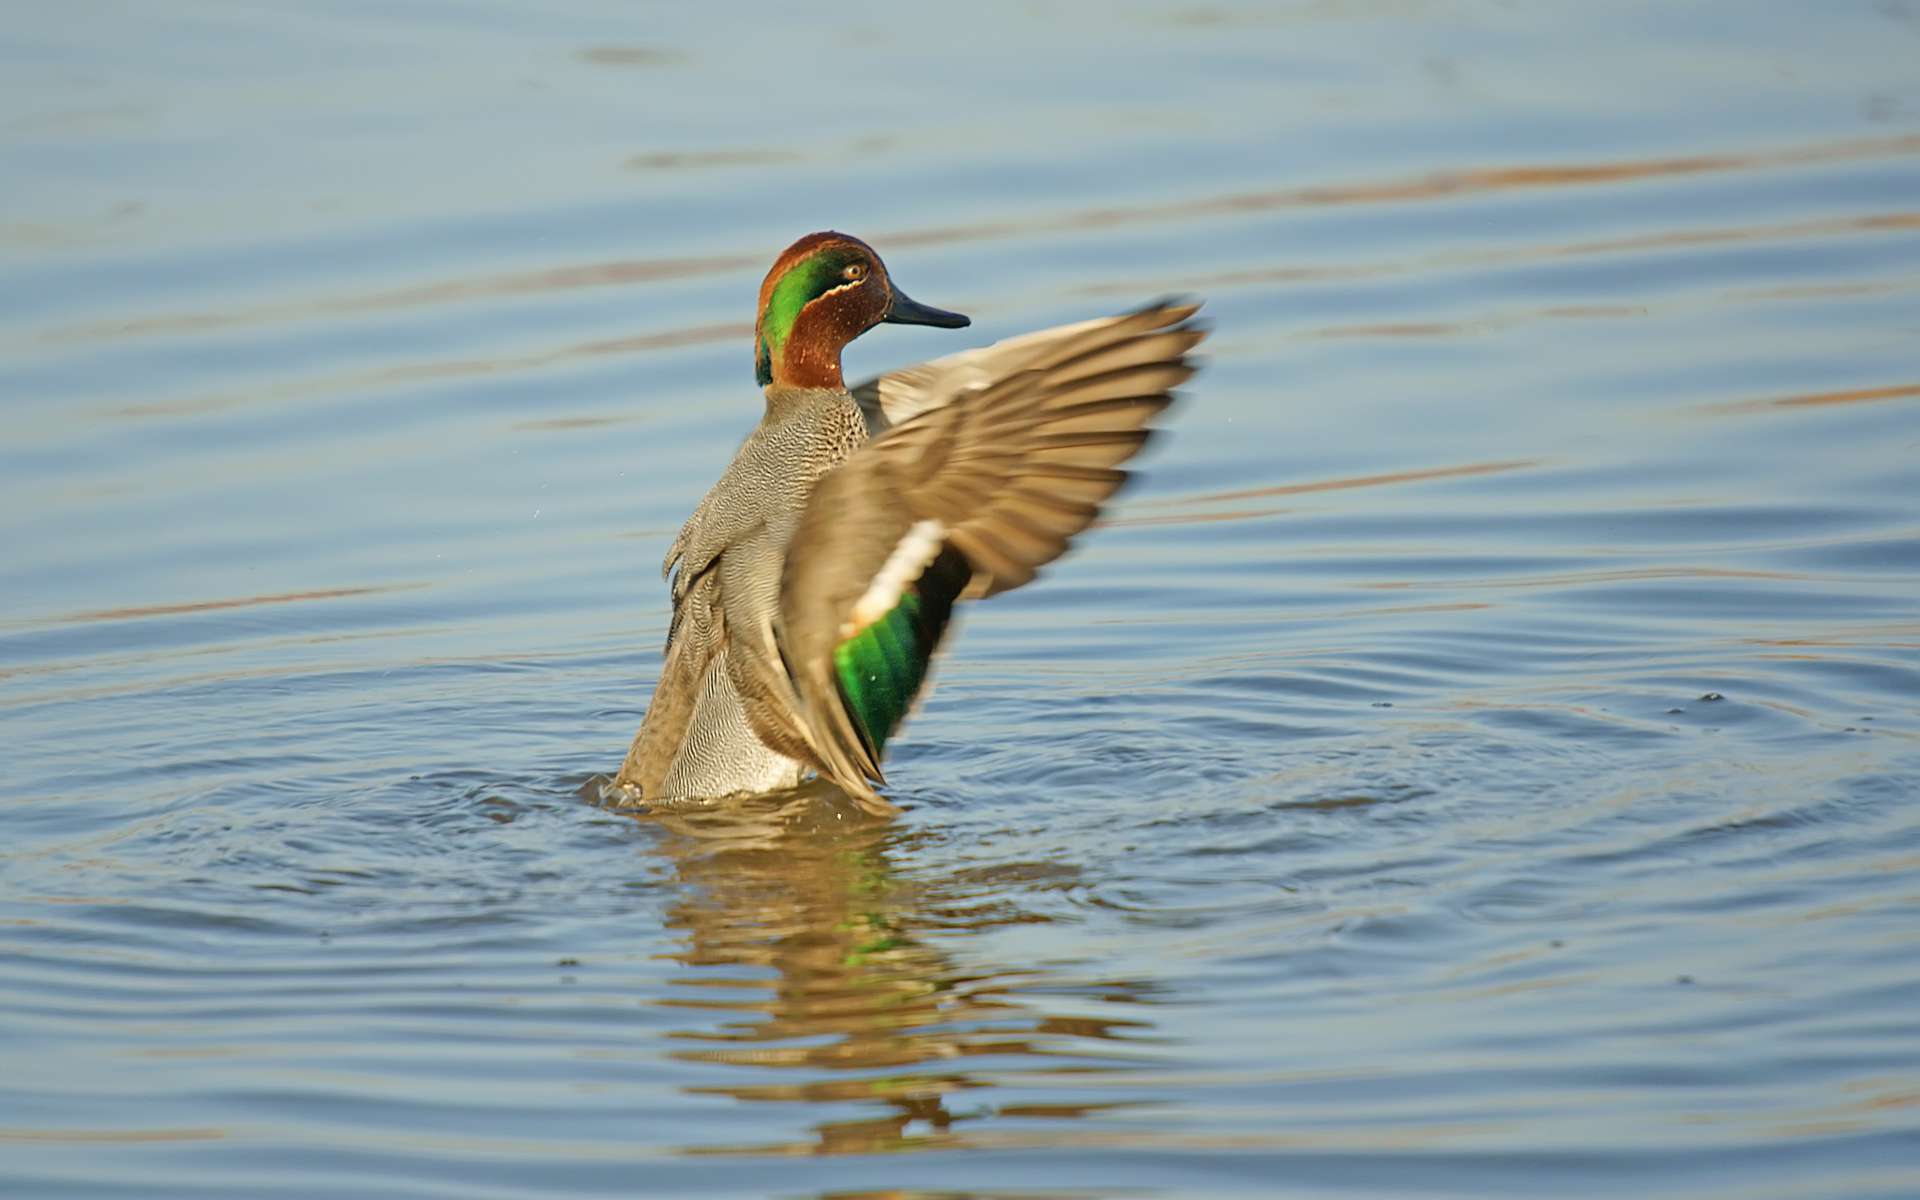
(824, 291)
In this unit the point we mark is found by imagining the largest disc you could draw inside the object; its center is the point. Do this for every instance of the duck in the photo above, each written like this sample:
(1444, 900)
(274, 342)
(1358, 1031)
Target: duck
(815, 582)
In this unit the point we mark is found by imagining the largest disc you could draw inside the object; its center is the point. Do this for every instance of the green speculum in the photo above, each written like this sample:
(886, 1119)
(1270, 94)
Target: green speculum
(880, 669)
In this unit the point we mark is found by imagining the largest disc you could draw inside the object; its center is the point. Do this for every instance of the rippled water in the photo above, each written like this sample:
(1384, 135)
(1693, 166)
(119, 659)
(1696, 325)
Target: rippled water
(1477, 758)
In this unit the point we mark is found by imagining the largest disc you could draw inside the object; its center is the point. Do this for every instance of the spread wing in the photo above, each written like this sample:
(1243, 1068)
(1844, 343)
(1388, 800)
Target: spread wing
(898, 396)
(970, 497)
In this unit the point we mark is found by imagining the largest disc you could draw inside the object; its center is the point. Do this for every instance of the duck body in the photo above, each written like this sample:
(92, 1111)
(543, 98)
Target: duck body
(815, 581)
(726, 567)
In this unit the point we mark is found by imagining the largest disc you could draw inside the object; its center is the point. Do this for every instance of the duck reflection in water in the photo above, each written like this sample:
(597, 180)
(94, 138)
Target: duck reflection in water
(874, 1001)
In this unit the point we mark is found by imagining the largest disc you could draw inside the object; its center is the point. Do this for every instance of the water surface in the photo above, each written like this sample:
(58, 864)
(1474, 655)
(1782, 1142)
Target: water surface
(1477, 757)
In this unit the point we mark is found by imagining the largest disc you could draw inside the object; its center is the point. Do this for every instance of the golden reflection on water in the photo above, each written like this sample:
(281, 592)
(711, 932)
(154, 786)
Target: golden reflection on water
(112, 1136)
(1435, 186)
(867, 1002)
(1875, 395)
(137, 612)
(1454, 471)
(1685, 237)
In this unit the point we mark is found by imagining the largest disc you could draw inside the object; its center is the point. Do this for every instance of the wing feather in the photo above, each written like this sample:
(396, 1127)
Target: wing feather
(1008, 452)
(898, 396)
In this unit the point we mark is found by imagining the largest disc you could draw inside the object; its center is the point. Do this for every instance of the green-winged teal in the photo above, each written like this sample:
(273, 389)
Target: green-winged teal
(813, 584)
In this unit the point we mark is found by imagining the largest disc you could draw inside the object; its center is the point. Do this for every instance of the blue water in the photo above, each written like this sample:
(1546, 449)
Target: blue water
(1476, 758)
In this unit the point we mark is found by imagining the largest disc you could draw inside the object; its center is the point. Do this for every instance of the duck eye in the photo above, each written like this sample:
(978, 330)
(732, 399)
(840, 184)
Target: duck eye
(854, 272)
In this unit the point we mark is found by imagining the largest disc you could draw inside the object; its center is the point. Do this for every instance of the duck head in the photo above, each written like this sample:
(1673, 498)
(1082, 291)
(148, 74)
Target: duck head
(824, 291)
